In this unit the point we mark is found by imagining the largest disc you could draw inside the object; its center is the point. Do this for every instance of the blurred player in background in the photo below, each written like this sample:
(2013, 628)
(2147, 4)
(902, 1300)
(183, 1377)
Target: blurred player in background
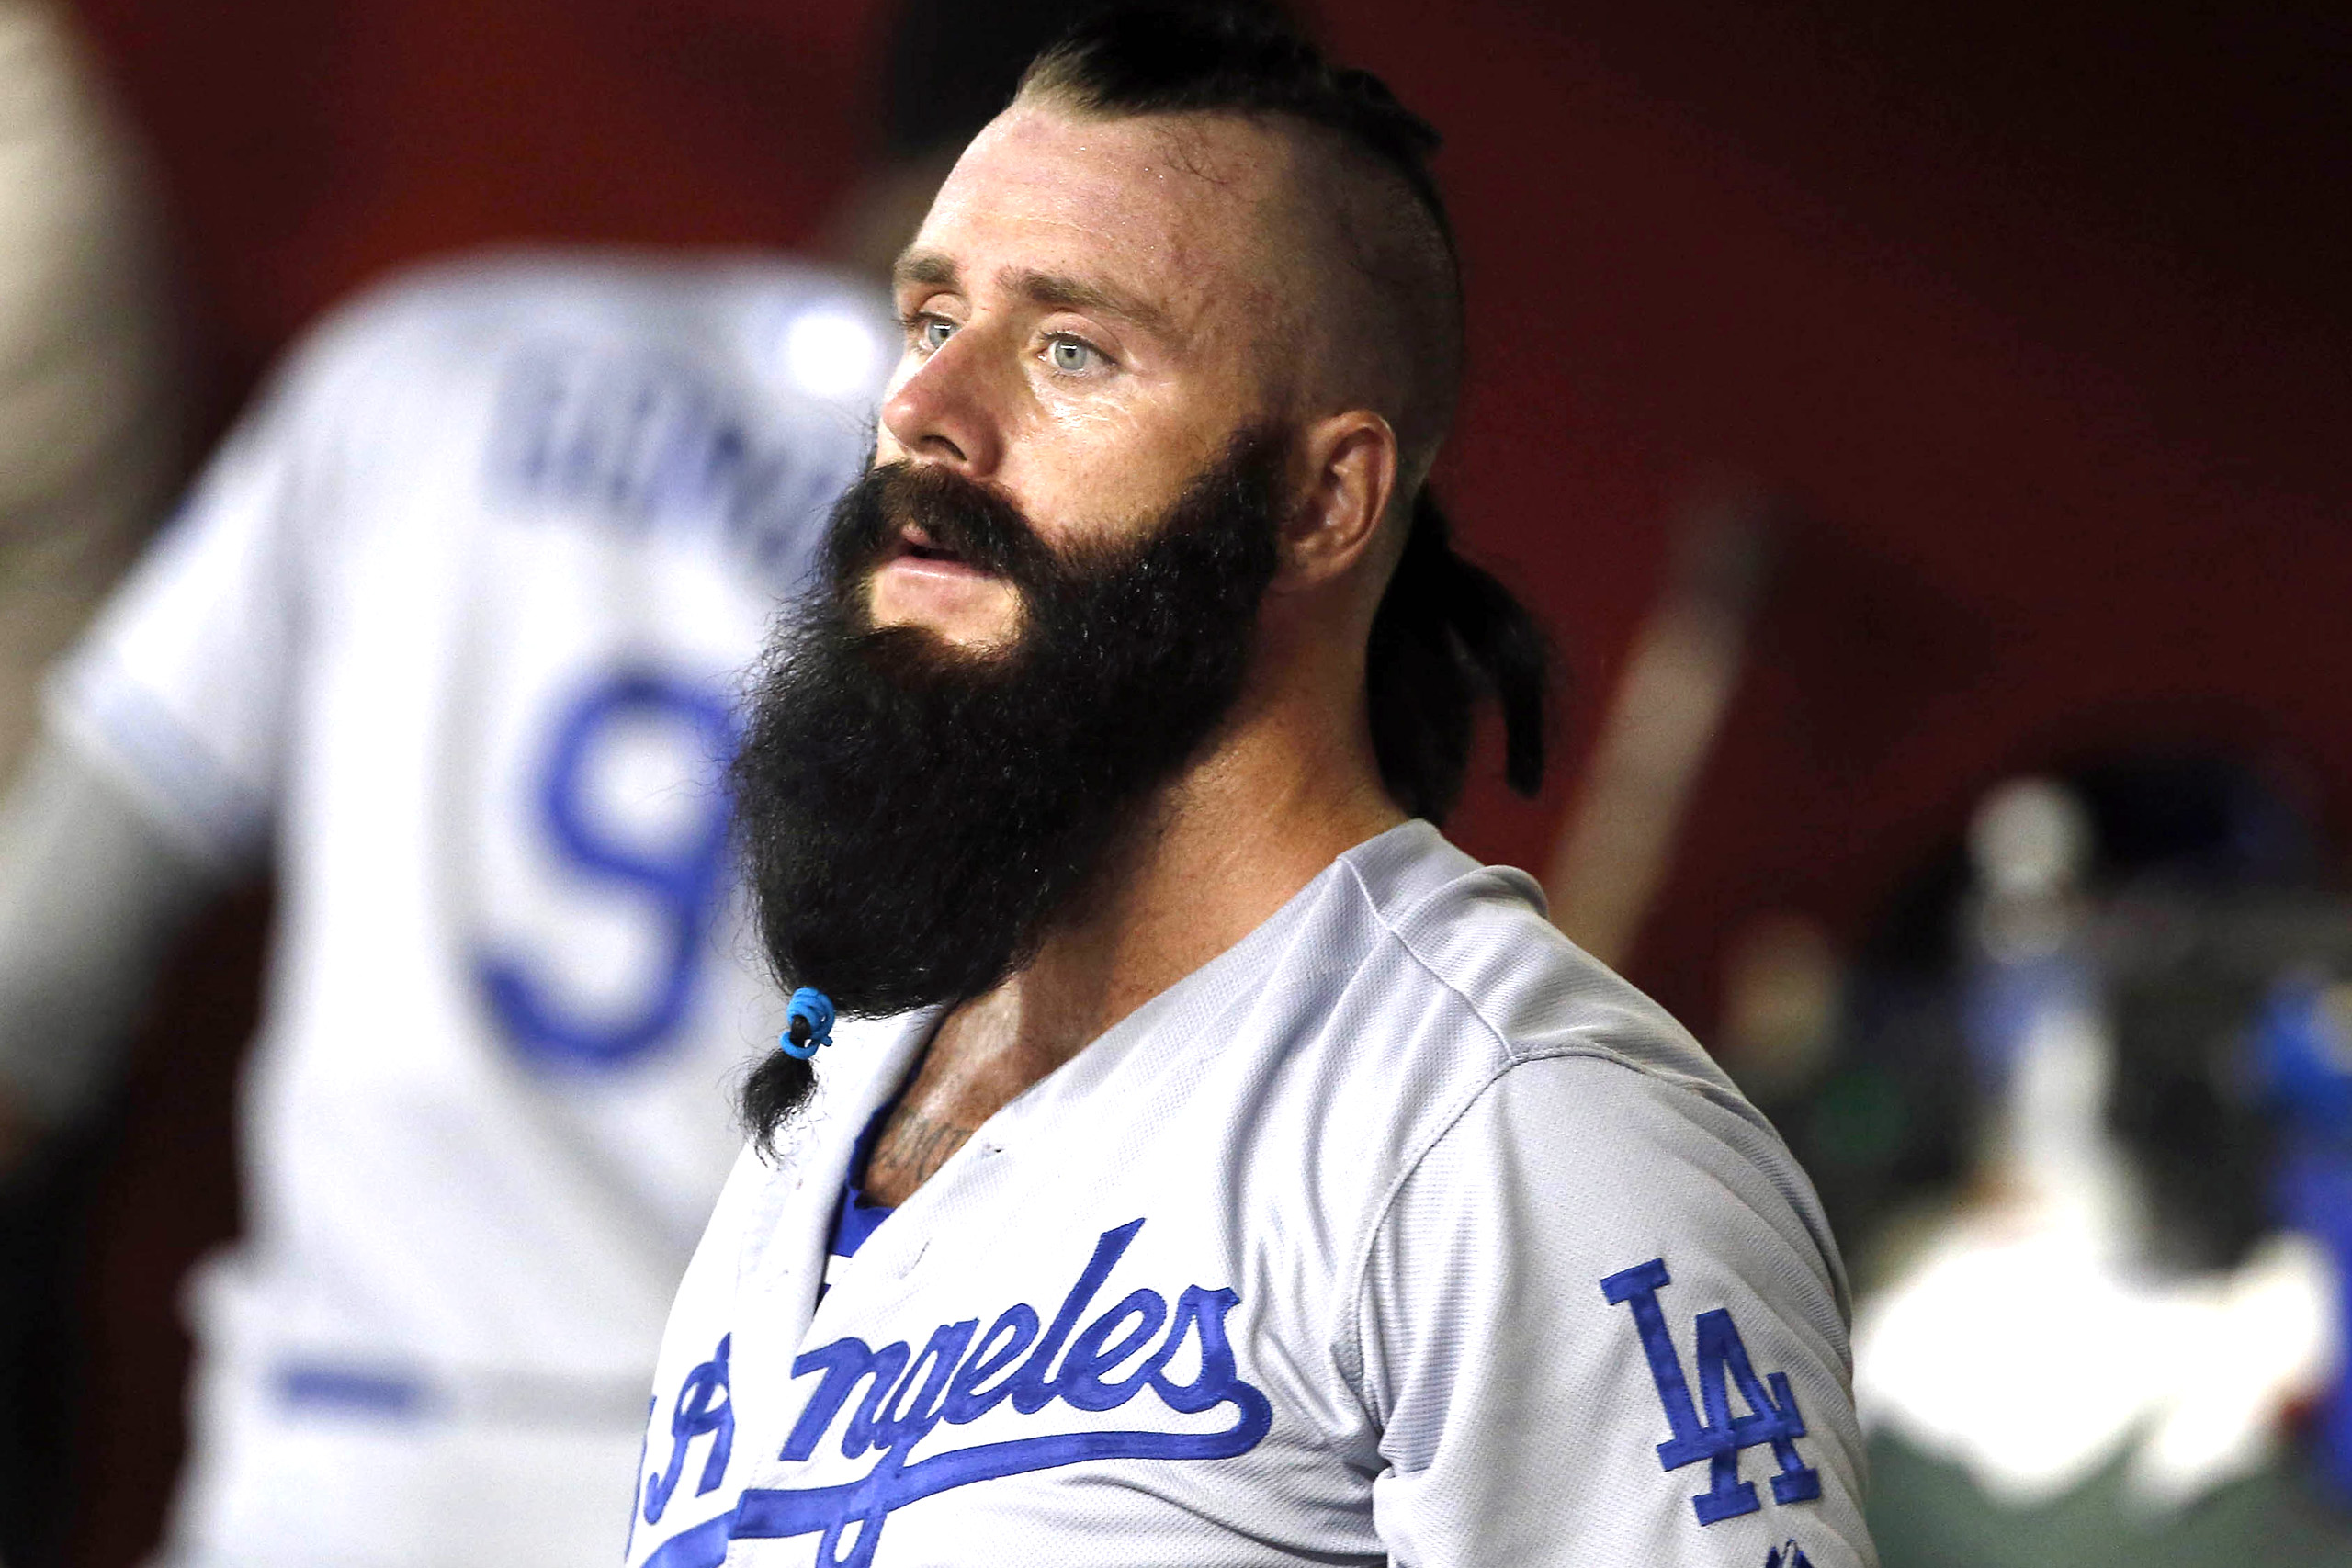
(89, 400)
(449, 629)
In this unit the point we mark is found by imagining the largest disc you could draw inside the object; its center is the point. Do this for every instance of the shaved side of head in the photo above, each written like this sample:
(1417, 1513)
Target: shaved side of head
(1388, 315)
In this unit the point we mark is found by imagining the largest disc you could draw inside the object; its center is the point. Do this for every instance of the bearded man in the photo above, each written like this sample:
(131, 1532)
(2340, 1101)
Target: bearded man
(1221, 1167)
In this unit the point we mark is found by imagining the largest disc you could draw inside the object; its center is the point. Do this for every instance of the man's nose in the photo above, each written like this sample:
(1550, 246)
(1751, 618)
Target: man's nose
(949, 409)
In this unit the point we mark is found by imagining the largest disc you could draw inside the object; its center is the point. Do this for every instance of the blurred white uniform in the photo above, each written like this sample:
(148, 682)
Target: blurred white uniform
(461, 611)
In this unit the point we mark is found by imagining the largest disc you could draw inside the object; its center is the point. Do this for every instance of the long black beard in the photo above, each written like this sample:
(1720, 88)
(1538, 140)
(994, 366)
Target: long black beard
(916, 818)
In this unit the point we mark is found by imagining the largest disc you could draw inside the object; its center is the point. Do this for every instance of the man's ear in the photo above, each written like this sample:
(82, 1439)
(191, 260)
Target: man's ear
(1350, 472)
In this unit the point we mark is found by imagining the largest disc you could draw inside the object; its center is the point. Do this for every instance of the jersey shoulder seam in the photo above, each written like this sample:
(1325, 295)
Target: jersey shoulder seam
(1348, 1342)
(1422, 961)
(1512, 1051)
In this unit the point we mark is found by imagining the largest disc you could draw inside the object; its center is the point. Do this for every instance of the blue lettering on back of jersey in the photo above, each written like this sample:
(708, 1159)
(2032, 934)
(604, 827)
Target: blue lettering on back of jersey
(896, 1398)
(644, 443)
(1720, 1438)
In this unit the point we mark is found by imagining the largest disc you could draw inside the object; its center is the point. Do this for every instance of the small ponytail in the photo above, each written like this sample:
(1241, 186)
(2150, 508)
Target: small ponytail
(779, 1085)
(1447, 637)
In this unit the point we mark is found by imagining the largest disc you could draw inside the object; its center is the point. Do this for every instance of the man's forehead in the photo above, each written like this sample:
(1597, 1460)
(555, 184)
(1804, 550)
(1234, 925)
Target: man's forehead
(1165, 204)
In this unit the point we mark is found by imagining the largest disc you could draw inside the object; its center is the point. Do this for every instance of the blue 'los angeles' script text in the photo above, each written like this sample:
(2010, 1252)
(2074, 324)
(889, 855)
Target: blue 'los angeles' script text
(895, 1396)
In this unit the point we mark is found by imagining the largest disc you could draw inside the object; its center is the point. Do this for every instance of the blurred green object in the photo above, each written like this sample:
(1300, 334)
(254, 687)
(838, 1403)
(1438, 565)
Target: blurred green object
(1929, 1513)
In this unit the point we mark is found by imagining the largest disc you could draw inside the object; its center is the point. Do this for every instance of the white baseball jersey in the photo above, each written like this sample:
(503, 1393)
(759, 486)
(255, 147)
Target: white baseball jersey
(1401, 1233)
(462, 609)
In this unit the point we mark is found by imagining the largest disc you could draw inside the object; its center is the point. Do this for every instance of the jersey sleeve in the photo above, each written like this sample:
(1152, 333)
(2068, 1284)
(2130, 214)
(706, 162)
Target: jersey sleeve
(180, 691)
(1600, 1323)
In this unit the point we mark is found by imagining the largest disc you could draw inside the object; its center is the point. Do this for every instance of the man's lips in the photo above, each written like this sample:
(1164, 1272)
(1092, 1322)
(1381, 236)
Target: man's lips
(918, 551)
(921, 583)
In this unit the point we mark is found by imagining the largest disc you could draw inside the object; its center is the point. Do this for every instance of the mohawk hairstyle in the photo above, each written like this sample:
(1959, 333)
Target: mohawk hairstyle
(1447, 634)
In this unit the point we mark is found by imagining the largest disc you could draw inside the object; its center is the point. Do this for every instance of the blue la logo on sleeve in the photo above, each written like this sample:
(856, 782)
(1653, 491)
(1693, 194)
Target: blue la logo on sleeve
(1709, 1430)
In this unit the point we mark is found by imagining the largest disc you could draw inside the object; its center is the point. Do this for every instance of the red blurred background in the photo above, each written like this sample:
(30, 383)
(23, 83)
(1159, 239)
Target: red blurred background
(2036, 319)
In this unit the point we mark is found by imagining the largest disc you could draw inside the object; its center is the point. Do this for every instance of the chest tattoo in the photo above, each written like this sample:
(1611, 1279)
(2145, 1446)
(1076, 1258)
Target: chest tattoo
(912, 1147)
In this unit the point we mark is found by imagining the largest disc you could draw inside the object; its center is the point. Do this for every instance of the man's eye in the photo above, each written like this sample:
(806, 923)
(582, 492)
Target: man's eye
(931, 331)
(1071, 354)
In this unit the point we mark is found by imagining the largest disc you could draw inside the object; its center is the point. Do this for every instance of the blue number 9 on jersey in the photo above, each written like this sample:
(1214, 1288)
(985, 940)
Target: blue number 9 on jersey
(682, 877)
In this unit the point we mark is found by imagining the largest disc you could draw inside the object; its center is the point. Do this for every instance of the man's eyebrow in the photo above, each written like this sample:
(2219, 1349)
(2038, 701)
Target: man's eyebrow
(1057, 292)
(928, 269)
